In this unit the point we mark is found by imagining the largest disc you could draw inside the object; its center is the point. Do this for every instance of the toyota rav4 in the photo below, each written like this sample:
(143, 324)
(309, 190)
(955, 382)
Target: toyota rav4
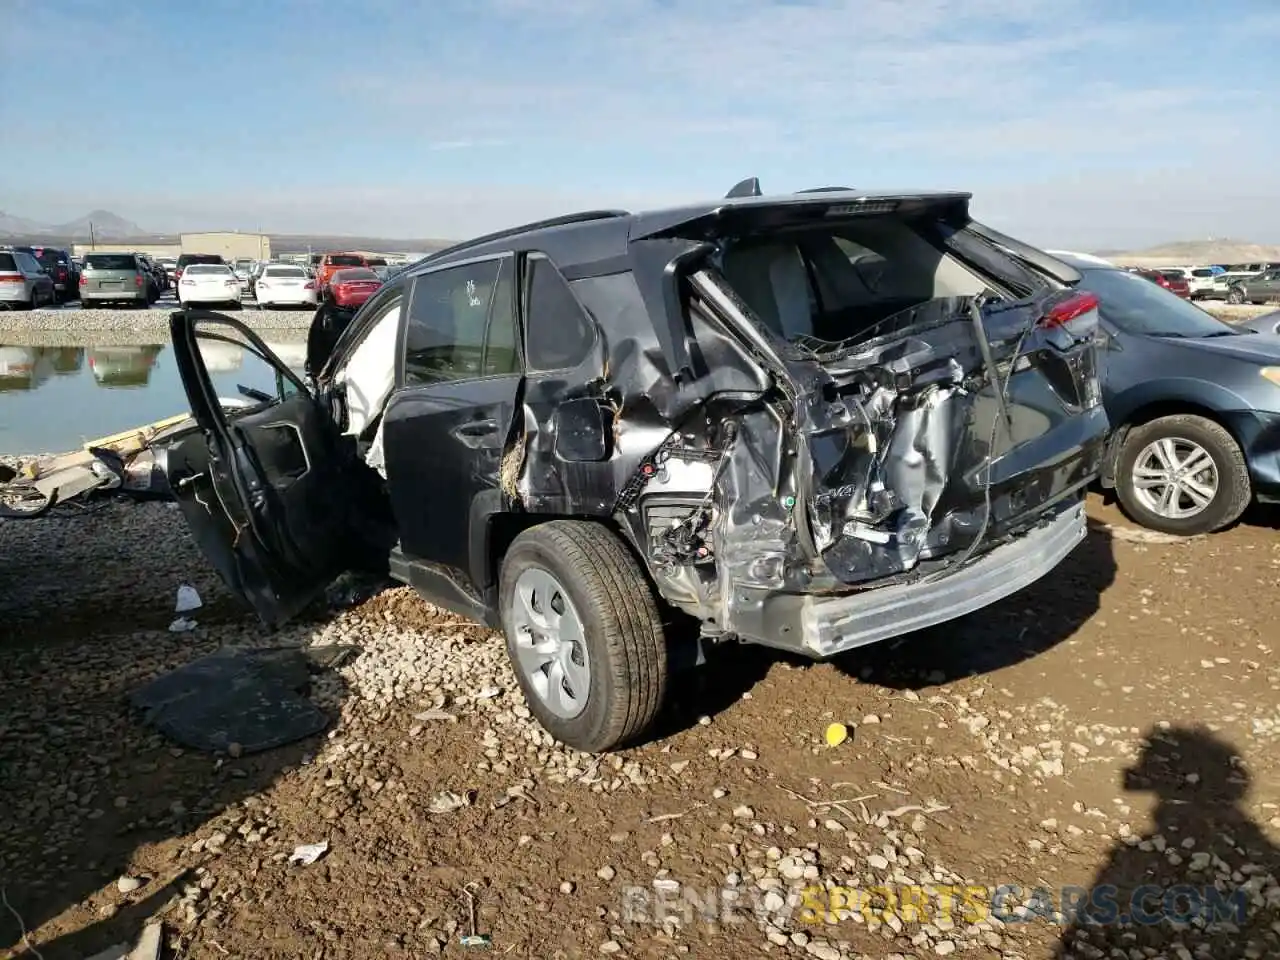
(811, 421)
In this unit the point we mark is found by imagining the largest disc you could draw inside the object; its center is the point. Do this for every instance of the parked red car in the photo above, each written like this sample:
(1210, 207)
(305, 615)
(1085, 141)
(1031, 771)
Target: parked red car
(351, 287)
(1175, 283)
(331, 263)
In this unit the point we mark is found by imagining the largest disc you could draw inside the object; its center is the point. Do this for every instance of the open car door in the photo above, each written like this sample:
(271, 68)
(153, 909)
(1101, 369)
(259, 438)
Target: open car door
(270, 490)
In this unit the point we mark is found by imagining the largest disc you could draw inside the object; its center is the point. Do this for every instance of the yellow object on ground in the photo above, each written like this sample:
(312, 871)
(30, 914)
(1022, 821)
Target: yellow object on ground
(837, 733)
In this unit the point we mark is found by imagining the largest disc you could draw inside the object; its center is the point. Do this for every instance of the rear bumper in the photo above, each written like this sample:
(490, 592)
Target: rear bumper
(832, 625)
(112, 296)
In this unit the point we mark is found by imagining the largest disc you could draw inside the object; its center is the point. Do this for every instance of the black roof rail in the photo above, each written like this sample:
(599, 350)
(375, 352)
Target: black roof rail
(586, 216)
(749, 187)
(827, 190)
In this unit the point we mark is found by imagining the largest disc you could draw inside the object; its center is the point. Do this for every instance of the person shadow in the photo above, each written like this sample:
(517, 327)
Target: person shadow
(1202, 884)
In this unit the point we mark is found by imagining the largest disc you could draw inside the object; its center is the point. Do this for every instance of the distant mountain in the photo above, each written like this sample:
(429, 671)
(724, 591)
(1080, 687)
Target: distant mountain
(105, 226)
(11, 226)
(1189, 252)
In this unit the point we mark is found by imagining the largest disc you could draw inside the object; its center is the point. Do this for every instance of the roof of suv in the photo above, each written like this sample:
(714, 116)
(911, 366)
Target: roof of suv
(588, 243)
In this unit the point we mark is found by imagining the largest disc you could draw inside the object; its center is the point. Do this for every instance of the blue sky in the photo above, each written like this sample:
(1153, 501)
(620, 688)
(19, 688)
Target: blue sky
(1075, 122)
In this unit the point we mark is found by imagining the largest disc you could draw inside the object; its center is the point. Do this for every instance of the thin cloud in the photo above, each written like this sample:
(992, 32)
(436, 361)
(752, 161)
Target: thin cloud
(465, 144)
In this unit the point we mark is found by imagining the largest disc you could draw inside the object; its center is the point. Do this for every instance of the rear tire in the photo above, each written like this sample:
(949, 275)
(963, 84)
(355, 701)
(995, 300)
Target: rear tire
(1139, 468)
(621, 635)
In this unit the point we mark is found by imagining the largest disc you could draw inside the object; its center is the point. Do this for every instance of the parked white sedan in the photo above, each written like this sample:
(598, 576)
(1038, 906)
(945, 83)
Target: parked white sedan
(208, 283)
(283, 284)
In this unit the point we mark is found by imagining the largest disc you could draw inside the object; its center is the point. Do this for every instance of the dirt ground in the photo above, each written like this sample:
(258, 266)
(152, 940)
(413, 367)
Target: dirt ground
(1116, 723)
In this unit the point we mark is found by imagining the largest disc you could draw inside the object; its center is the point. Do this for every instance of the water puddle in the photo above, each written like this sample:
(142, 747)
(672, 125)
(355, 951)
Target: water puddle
(55, 398)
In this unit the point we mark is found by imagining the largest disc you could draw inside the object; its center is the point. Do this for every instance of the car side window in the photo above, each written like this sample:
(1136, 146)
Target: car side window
(448, 335)
(559, 333)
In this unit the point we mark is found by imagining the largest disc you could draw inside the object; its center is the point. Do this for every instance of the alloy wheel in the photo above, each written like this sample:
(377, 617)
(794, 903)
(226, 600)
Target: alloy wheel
(1175, 478)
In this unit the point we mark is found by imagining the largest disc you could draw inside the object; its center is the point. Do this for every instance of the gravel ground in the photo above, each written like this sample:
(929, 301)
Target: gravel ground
(1116, 723)
(71, 320)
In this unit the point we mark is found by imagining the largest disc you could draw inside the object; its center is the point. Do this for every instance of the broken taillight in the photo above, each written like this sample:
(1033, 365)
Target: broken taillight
(1063, 312)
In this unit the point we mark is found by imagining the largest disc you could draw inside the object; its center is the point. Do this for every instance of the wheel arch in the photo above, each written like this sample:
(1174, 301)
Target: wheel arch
(1206, 401)
(501, 529)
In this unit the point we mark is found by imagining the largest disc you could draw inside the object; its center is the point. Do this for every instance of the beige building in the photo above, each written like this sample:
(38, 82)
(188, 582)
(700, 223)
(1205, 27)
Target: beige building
(230, 245)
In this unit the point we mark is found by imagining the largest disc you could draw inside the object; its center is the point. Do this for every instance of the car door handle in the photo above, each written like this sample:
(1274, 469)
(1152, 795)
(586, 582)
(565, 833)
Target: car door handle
(473, 433)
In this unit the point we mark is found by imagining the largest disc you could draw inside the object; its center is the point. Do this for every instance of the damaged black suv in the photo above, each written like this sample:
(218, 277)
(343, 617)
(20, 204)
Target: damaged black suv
(811, 421)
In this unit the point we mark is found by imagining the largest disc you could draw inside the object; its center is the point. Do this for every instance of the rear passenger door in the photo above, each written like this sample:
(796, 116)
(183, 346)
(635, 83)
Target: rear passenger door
(447, 426)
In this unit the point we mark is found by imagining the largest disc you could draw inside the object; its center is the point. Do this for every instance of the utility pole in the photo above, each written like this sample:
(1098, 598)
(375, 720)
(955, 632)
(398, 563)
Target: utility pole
(93, 244)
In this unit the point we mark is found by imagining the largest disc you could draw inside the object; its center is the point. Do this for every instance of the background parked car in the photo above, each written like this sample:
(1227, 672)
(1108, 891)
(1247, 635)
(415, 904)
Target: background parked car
(258, 267)
(24, 283)
(1171, 280)
(113, 278)
(352, 287)
(209, 283)
(154, 273)
(169, 266)
(57, 263)
(243, 269)
(1194, 404)
(333, 262)
(284, 284)
(187, 259)
(1200, 281)
(1264, 288)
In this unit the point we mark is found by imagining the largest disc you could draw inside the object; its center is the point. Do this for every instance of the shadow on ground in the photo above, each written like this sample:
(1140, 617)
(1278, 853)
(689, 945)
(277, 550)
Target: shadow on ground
(90, 791)
(1202, 882)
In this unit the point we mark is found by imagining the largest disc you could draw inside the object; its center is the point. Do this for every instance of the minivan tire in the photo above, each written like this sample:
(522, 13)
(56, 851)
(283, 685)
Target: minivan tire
(622, 631)
(1234, 490)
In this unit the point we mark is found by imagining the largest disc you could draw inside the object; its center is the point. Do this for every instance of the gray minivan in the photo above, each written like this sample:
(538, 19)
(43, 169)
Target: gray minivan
(111, 278)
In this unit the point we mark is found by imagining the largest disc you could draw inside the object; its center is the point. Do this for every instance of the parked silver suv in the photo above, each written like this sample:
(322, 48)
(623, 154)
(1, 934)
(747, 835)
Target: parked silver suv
(111, 278)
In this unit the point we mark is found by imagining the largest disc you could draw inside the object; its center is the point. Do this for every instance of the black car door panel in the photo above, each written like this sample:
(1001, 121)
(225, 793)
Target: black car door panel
(448, 425)
(271, 492)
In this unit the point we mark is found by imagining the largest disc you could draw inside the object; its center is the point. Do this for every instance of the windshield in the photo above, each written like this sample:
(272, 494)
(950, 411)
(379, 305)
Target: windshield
(110, 261)
(1136, 305)
(284, 272)
(350, 276)
(207, 269)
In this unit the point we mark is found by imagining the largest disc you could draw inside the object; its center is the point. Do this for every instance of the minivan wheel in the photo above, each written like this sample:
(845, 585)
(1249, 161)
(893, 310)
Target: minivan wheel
(583, 633)
(1182, 474)
(1235, 295)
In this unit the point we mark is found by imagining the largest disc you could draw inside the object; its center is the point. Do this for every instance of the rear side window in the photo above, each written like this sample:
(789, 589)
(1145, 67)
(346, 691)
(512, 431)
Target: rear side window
(1202, 273)
(559, 333)
(461, 324)
(7, 262)
(110, 261)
